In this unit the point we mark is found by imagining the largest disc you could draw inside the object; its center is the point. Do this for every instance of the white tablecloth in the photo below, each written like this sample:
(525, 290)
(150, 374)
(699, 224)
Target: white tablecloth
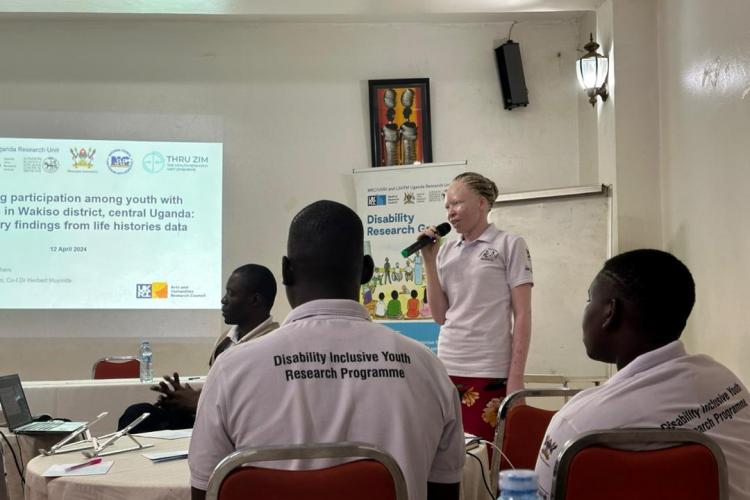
(80, 400)
(133, 476)
(83, 400)
(24, 448)
(476, 472)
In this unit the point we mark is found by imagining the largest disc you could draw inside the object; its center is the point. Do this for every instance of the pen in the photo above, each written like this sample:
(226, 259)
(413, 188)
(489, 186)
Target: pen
(169, 459)
(84, 464)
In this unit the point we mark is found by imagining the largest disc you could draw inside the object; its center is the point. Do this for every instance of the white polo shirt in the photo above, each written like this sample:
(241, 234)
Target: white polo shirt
(665, 388)
(477, 278)
(329, 374)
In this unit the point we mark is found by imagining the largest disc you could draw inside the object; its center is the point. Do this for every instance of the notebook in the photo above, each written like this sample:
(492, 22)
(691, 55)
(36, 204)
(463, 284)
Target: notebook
(17, 415)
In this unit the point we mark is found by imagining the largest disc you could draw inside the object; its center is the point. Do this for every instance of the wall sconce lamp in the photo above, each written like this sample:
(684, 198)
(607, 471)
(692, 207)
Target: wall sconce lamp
(592, 70)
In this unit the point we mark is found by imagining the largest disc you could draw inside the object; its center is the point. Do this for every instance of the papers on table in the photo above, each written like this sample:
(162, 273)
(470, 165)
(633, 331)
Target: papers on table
(61, 470)
(166, 456)
(167, 434)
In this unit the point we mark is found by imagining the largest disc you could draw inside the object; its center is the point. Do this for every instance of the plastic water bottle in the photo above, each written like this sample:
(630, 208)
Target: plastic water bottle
(518, 484)
(146, 359)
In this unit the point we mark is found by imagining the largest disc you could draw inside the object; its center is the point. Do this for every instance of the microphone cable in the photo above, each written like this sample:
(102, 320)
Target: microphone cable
(484, 478)
(481, 466)
(499, 451)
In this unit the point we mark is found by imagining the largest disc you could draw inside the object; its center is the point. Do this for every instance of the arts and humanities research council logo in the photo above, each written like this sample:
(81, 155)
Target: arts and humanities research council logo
(50, 165)
(83, 158)
(375, 200)
(119, 161)
(155, 290)
(153, 162)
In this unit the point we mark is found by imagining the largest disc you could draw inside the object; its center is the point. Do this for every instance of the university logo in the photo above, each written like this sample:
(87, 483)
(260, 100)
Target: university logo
(83, 158)
(489, 254)
(119, 161)
(153, 162)
(409, 198)
(548, 447)
(155, 290)
(375, 200)
(50, 165)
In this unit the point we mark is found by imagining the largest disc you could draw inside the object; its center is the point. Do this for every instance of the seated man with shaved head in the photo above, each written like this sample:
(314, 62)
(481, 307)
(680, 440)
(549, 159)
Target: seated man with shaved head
(329, 374)
(638, 306)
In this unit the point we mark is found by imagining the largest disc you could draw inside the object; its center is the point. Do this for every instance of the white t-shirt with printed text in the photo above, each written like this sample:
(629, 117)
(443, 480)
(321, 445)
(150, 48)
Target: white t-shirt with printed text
(329, 374)
(477, 278)
(665, 388)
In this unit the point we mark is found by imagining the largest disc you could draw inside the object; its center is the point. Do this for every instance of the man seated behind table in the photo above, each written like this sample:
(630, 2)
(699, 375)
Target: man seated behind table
(329, 374)
(247, 303)
(638, 306)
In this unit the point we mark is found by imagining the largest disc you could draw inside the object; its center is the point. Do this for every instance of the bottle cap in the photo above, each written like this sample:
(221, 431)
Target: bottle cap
(518, 481)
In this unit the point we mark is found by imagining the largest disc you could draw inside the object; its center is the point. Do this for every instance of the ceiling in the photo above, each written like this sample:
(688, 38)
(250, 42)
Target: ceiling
(303, 10)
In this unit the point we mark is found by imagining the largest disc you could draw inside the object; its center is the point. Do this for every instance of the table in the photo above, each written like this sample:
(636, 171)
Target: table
(25, 448)
(83, 400)
(80, 400)
(133, 476)
(475, 473)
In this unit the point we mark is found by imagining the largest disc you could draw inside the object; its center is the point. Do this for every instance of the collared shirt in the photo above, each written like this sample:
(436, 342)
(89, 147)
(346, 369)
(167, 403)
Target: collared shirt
(477, 278)
(329, 374)
(232, 337)
(664, 388)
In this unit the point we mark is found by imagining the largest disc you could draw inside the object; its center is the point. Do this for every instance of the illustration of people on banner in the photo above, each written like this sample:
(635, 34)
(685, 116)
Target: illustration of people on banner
(402, 297)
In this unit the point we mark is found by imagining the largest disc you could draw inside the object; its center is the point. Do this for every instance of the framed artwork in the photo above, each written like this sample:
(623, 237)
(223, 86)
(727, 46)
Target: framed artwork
(400, 122)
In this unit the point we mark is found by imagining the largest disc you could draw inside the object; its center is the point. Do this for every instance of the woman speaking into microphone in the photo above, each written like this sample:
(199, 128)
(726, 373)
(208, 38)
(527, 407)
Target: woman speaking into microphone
(479, 291)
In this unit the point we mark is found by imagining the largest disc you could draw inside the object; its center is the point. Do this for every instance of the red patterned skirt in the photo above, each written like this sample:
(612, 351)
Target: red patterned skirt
(480, 400)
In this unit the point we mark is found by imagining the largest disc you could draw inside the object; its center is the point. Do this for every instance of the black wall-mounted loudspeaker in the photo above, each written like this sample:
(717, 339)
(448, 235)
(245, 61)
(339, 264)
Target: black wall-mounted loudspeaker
(510, 70)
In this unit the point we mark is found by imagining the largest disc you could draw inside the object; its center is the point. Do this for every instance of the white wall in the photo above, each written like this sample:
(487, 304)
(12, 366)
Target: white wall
(293, 101)
(704, 63)
(636, 104)
(628, 123)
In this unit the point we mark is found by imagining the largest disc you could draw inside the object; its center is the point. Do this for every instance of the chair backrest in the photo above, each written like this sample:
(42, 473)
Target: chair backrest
(117, 367)
(593, 465)
(520, 430)
(375, 475)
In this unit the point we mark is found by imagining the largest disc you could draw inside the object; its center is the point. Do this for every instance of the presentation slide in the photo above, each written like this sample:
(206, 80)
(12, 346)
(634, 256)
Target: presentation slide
(92, 224)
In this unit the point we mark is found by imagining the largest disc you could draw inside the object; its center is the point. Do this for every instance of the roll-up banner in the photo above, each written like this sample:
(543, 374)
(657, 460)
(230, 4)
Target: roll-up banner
(395, 205)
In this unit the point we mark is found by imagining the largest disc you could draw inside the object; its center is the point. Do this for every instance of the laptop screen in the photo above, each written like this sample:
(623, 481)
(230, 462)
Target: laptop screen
(13, 401)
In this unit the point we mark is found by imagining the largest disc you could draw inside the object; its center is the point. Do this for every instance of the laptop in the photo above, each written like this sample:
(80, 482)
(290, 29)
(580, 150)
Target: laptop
(17, 415)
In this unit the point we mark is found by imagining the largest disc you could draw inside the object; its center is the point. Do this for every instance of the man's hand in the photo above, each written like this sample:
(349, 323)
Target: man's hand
(178, 397)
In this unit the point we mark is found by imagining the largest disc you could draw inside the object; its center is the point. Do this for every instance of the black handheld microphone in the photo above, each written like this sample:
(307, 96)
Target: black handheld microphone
(423, 241)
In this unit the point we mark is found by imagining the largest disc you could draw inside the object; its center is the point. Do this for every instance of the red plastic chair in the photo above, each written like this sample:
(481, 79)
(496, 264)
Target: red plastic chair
(520, 430)
(375, 476)
(589, 468)
(117, 367)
